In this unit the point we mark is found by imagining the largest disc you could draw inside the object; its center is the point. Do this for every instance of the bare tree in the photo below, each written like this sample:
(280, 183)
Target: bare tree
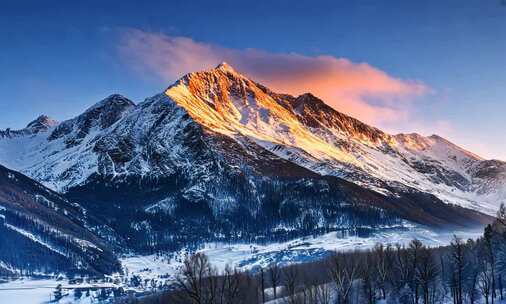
(198, 280)
(488, 236)
(291, 280)
(402, 269)
(458, 262)
(310, 292)
(262, 284)
(485, 281)
(472, 271)
(275, 277)
(323, 294)
(369, 276)
(248, 289)
(472, 283)
(500, 286)
(427, 272)
(230, 281)
(344, 271)
(311, 286)
(414, 249)
(383, 267)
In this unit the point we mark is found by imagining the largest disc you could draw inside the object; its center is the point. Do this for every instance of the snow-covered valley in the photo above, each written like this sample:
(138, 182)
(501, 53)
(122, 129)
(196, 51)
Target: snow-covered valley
(154, 271)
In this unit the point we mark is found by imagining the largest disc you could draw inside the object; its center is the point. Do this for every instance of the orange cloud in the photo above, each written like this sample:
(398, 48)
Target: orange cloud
(358, 89)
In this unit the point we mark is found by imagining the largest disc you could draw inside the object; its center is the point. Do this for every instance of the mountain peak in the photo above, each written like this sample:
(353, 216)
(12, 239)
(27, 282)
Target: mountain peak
(103, 114)
(439, 138)
(446, 142)
(203, 78)
(309, 98)
(225, 67)
(307, 95)
(417, 142)
(113, 101)
(43, 122)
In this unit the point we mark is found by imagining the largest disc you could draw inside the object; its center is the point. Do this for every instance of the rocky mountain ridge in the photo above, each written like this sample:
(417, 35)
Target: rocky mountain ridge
(184, 165)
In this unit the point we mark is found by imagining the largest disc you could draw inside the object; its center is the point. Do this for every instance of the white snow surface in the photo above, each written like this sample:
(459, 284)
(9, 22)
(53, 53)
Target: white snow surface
(40, 291)
(34, 238)
(247, 256)
(27, 291)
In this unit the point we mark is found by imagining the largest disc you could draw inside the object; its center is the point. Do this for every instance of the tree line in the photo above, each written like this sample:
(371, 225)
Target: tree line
(466, 271)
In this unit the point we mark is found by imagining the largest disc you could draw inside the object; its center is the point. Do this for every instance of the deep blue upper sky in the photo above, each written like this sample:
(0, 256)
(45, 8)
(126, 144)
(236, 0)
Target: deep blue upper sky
(59, 57)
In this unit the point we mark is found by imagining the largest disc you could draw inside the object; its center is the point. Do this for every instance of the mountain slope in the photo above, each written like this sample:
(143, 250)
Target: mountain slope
(219, 157)
(309, 133)
(41, 232)
(179, 182)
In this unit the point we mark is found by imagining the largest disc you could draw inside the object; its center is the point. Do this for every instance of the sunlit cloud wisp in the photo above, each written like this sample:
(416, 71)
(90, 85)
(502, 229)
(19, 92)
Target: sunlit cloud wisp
(358, 89)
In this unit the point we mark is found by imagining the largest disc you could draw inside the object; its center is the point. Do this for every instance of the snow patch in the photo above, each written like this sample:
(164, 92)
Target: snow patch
(34, 238)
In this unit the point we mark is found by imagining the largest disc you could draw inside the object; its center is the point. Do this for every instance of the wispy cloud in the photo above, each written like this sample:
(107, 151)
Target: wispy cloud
(358, 89)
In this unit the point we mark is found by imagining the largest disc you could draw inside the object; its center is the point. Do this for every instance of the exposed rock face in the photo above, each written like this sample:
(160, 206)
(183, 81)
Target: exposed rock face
(99, 117)
(42, 123)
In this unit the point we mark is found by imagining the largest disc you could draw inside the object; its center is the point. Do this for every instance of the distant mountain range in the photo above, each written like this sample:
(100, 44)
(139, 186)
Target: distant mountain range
(218, 156)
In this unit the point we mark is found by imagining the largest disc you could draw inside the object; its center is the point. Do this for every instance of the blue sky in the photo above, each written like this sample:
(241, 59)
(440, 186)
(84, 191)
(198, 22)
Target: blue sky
(59, 57)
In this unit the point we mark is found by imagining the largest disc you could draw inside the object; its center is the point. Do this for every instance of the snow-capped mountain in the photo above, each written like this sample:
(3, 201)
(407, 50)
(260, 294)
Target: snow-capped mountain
(217, 155)
(41, 124)
(306, 131)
